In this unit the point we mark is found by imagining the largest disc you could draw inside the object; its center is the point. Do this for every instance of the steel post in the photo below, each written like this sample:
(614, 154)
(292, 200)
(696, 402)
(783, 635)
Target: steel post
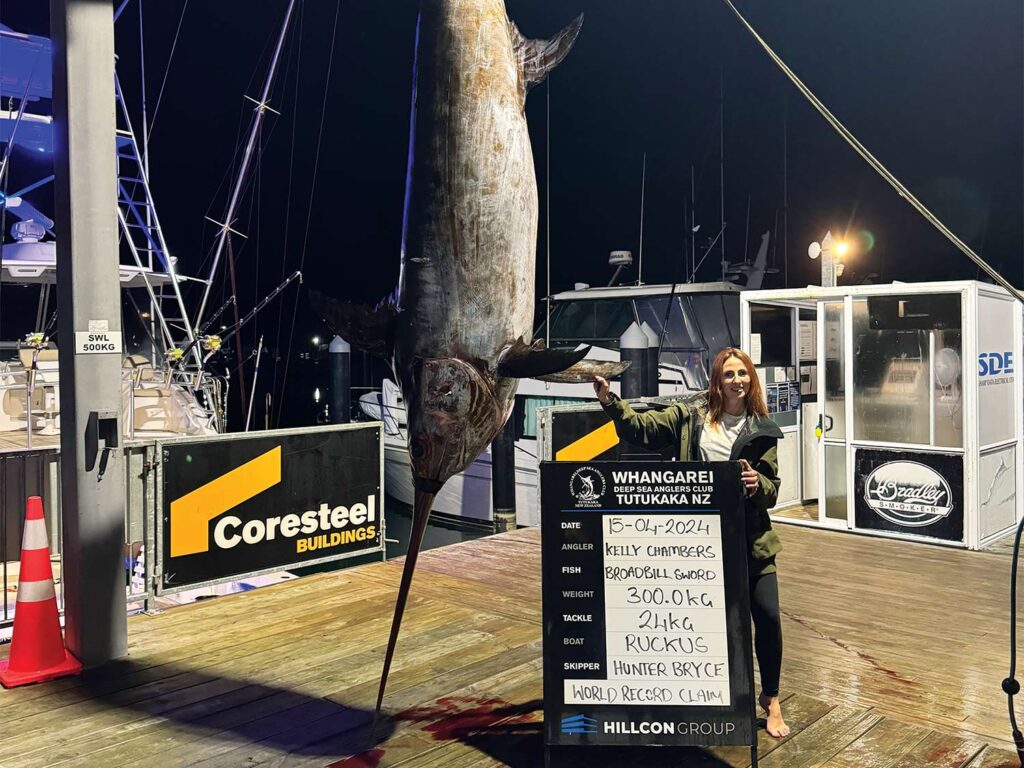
(88, 294)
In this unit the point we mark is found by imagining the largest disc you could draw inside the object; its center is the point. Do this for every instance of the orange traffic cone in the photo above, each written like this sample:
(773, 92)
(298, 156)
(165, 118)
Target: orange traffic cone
(37, 648)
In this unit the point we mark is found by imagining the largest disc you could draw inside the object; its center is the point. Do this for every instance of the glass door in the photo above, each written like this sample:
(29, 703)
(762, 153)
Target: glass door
(831, 430)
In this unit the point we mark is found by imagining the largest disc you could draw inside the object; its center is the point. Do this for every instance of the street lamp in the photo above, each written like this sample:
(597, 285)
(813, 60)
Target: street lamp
(832, 254)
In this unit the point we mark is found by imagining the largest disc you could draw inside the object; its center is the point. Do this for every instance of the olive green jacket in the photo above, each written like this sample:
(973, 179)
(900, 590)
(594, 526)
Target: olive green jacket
(680, 425)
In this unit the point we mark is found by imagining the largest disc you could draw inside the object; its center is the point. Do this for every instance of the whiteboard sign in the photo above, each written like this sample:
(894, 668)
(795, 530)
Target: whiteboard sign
(97, 343)
(646, 605)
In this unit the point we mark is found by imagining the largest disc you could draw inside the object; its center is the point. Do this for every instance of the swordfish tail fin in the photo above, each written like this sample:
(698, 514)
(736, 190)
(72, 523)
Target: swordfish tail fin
(538, 57)
(420, 514)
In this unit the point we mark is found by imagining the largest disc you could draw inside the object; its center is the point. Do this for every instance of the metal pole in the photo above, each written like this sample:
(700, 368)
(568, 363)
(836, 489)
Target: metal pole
(721, 161)
(693, 223)
(255, 375)
(254, 130)
(651, 372)
(503, 477)
(547, 217)
(633, 349)
(746, 233)
(88, 293)
(640, 255)
(153, 309)
(340, 354)
(828, 269)
(238, 322)
(785, 193)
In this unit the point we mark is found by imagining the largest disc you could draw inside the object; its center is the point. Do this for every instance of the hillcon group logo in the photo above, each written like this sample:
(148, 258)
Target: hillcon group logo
(908, 493)
(579, 724)
(587, 486)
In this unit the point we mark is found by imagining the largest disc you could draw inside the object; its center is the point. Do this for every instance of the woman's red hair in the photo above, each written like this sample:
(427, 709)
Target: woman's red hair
(716, 396)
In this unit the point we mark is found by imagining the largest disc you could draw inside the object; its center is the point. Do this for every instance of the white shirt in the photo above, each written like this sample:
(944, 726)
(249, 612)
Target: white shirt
(716, 441)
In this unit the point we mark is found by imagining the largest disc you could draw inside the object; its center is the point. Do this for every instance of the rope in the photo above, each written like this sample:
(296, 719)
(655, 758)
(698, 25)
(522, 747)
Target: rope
(309, 209)
(875, 163)
(167, 69)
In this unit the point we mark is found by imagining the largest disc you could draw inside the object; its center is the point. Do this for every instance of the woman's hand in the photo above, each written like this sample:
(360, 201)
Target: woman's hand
(602, 391)
(749, 477)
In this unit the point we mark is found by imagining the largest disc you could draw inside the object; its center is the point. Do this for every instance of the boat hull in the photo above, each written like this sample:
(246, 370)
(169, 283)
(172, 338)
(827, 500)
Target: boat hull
(466, 495)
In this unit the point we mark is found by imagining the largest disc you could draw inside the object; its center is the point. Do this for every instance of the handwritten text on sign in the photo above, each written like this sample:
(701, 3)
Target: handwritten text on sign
(665, 619)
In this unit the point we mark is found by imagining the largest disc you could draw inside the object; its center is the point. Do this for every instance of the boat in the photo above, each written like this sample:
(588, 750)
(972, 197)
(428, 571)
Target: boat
(693, 321)
(165, 390)
(173, 382)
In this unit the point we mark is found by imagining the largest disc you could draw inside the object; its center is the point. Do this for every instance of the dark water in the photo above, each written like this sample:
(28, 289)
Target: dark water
(398, 517)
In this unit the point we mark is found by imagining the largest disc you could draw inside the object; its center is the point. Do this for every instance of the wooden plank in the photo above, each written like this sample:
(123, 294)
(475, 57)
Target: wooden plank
(286, 675)
(800, 712)
(136, 741)
(993, 757)
(940, 750)
(822, 739)
(880, 747)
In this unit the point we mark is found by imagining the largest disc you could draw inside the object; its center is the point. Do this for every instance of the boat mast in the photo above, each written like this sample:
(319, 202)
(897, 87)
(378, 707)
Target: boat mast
(236, 193)
(153, 309)
(547, 214)
(785, 190)
(693, 225)
(640, 257)
(721, 160)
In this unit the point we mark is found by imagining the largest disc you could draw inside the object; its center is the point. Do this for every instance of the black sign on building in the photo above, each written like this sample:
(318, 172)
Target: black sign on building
(646, 606)
(910, 492)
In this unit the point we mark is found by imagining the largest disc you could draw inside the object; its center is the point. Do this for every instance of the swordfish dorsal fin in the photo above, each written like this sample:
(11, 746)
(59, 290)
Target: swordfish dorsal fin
(371, 329)
(538, 57)
(521, 361)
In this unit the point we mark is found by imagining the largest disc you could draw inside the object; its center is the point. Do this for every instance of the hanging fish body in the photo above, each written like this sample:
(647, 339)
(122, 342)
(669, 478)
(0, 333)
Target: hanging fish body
(460, 329)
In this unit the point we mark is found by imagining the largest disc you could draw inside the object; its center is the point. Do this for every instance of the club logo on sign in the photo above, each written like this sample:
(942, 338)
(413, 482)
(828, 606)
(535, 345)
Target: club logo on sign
(908, 493)
(587, 486)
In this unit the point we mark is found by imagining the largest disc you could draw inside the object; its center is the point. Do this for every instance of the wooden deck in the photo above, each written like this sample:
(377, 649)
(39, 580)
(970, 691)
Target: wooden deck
(894, 653)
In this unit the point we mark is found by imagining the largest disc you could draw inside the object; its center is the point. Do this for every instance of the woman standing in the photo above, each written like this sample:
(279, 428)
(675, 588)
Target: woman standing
(732, 425)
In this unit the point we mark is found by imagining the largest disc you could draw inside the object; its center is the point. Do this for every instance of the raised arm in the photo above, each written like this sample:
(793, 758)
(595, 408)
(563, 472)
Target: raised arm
(654, 430)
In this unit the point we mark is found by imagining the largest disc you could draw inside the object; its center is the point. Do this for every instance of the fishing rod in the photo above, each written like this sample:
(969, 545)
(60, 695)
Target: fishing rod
(201, 333)
(214, 317)
(214, 343)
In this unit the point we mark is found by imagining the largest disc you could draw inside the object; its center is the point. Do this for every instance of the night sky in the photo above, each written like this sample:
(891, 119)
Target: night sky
(934, 88)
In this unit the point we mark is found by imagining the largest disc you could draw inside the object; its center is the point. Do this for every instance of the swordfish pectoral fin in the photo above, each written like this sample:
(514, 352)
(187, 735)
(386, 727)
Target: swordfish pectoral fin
(538, 57)
(370, 329)
(585, 371)
(521, 361)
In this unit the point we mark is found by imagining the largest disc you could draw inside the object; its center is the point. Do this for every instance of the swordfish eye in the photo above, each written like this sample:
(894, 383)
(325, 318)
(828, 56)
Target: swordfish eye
(418, 447)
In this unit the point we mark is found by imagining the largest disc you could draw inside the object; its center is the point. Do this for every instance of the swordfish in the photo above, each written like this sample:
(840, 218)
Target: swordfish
(460, 327)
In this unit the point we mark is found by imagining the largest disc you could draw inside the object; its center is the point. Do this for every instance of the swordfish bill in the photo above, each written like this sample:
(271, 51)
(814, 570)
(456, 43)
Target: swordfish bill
(464, 321)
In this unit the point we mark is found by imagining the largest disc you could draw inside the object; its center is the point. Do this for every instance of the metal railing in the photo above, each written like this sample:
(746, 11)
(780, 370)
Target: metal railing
(36, 472)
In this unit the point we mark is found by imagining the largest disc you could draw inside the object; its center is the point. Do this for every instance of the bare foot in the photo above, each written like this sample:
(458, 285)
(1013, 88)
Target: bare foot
(775, 725)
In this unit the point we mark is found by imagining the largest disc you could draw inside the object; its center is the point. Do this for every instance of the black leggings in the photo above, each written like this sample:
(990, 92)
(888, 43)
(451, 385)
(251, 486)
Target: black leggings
(764, 609)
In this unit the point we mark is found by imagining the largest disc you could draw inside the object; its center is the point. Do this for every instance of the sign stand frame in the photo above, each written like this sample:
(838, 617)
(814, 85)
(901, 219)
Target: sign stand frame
(734, 570)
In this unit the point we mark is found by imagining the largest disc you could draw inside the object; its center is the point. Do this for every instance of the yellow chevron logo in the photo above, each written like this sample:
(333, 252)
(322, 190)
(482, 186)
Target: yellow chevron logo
(591, 445)
(192, 513)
